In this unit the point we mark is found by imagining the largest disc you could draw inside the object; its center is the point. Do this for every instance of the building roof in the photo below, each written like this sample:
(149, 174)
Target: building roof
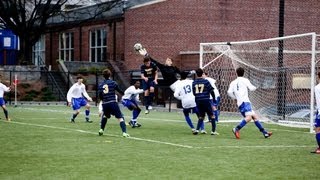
(98, 11)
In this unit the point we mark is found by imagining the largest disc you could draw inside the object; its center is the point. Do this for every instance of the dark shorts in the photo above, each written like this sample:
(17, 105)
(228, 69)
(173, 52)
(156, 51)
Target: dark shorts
(215, 102)
(244, 108)
(204, 107)
(112, 108)
(147, 85)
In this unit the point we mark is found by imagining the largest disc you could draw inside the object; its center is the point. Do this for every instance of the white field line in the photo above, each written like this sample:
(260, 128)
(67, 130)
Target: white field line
(156, 141)
(112, 135)
(155, 119)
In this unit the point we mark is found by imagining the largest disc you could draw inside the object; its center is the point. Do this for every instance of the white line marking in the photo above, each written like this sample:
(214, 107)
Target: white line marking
(88, 132)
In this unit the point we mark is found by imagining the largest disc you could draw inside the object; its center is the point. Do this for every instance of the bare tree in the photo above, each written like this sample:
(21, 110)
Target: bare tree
(28, 19)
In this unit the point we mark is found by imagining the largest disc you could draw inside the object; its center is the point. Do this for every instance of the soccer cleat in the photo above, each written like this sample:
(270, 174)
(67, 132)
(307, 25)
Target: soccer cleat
(195, 132)
(317, 151)
(131, 124)
(267, 135)
(236, 133)
(125, 135)
(137, 124)
(100, 132)
(203, 132)
(88, 120)
(150, 108)
(8, 119)
(72, 120)
(214, 133)
(146, 112)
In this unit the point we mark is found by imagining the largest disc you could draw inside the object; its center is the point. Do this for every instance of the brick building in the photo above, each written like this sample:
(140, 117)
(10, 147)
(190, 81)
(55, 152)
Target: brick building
(175, 28)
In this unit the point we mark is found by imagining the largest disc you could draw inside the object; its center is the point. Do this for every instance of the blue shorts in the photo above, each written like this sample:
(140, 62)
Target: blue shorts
(204, 107)
(317, 120)
(2, 102)
(77, 103)
(130, 104)
(147, 85)
(215, 102)
(244, 108)
(112, 108)
(187, 111)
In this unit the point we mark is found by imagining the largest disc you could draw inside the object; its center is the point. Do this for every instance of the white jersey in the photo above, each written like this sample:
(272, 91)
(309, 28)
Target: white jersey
(238, 89)
(183, 92)
(3, 88)
(215, 89)
(317, 95)
(77, 91)
(131, 93)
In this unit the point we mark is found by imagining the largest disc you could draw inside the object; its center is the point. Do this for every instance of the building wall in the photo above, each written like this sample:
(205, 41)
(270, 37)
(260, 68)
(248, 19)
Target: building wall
(169, 27)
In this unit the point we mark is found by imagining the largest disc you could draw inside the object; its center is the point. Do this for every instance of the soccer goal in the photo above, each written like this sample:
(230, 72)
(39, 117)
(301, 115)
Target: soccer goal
(283, 69)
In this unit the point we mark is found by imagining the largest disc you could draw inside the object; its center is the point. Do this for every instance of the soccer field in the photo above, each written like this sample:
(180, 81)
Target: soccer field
(41, 143)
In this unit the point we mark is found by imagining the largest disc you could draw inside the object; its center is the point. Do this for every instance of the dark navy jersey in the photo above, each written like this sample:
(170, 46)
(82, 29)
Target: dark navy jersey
(202, 89)
(149, 71)
(169, 73)
(107, 91)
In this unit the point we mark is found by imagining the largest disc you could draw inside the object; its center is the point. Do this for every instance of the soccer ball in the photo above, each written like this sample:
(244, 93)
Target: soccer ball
(137, 46)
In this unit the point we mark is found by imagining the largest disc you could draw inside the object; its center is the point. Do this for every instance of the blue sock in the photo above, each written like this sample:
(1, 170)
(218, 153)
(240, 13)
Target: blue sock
(103, 122)
(214, 125)
(202, 126)
(242, 124)
(123, 126)
(189, 122)
(318, 139)
(259, 126)
(87, 112)
(200, 122)
(216, 115)
(135, 113)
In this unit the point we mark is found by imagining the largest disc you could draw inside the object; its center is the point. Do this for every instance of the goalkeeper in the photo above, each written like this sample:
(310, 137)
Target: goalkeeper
(168, 71)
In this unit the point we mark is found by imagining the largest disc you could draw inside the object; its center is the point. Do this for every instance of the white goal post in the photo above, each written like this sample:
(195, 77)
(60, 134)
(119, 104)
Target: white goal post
(283, 69)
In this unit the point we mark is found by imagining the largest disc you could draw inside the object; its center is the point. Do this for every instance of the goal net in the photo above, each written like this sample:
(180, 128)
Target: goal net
(283, 70)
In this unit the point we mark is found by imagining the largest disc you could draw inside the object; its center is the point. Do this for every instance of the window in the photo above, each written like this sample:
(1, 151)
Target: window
(66, 47)
(38, 52)
(98, 45)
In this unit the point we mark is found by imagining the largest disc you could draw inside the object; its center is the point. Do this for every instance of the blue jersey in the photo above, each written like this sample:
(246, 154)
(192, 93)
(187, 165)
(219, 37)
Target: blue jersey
(149, 71)
(107, 91)
(202, 89)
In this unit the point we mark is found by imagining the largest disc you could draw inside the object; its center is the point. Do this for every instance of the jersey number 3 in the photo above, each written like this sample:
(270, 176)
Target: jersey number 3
(105, 89)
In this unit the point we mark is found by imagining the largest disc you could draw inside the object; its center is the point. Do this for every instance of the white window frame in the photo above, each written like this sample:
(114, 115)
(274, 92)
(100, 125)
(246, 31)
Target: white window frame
(98, 45)
(66, 46)
(39, 51)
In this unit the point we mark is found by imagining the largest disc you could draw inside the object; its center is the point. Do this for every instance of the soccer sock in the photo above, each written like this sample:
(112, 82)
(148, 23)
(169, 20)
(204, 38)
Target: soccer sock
(200, 122)
(242, 124)
(103, 123)
(216, 115)
(5, 113)
(151, 95)
(74, 116)
(123, 126)
(133, 121)
(135, 113)
(214, 125)
(146, 101)
(259, 126)
(202, 126)
(189, 122)
(318, 139)
(87, 113)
